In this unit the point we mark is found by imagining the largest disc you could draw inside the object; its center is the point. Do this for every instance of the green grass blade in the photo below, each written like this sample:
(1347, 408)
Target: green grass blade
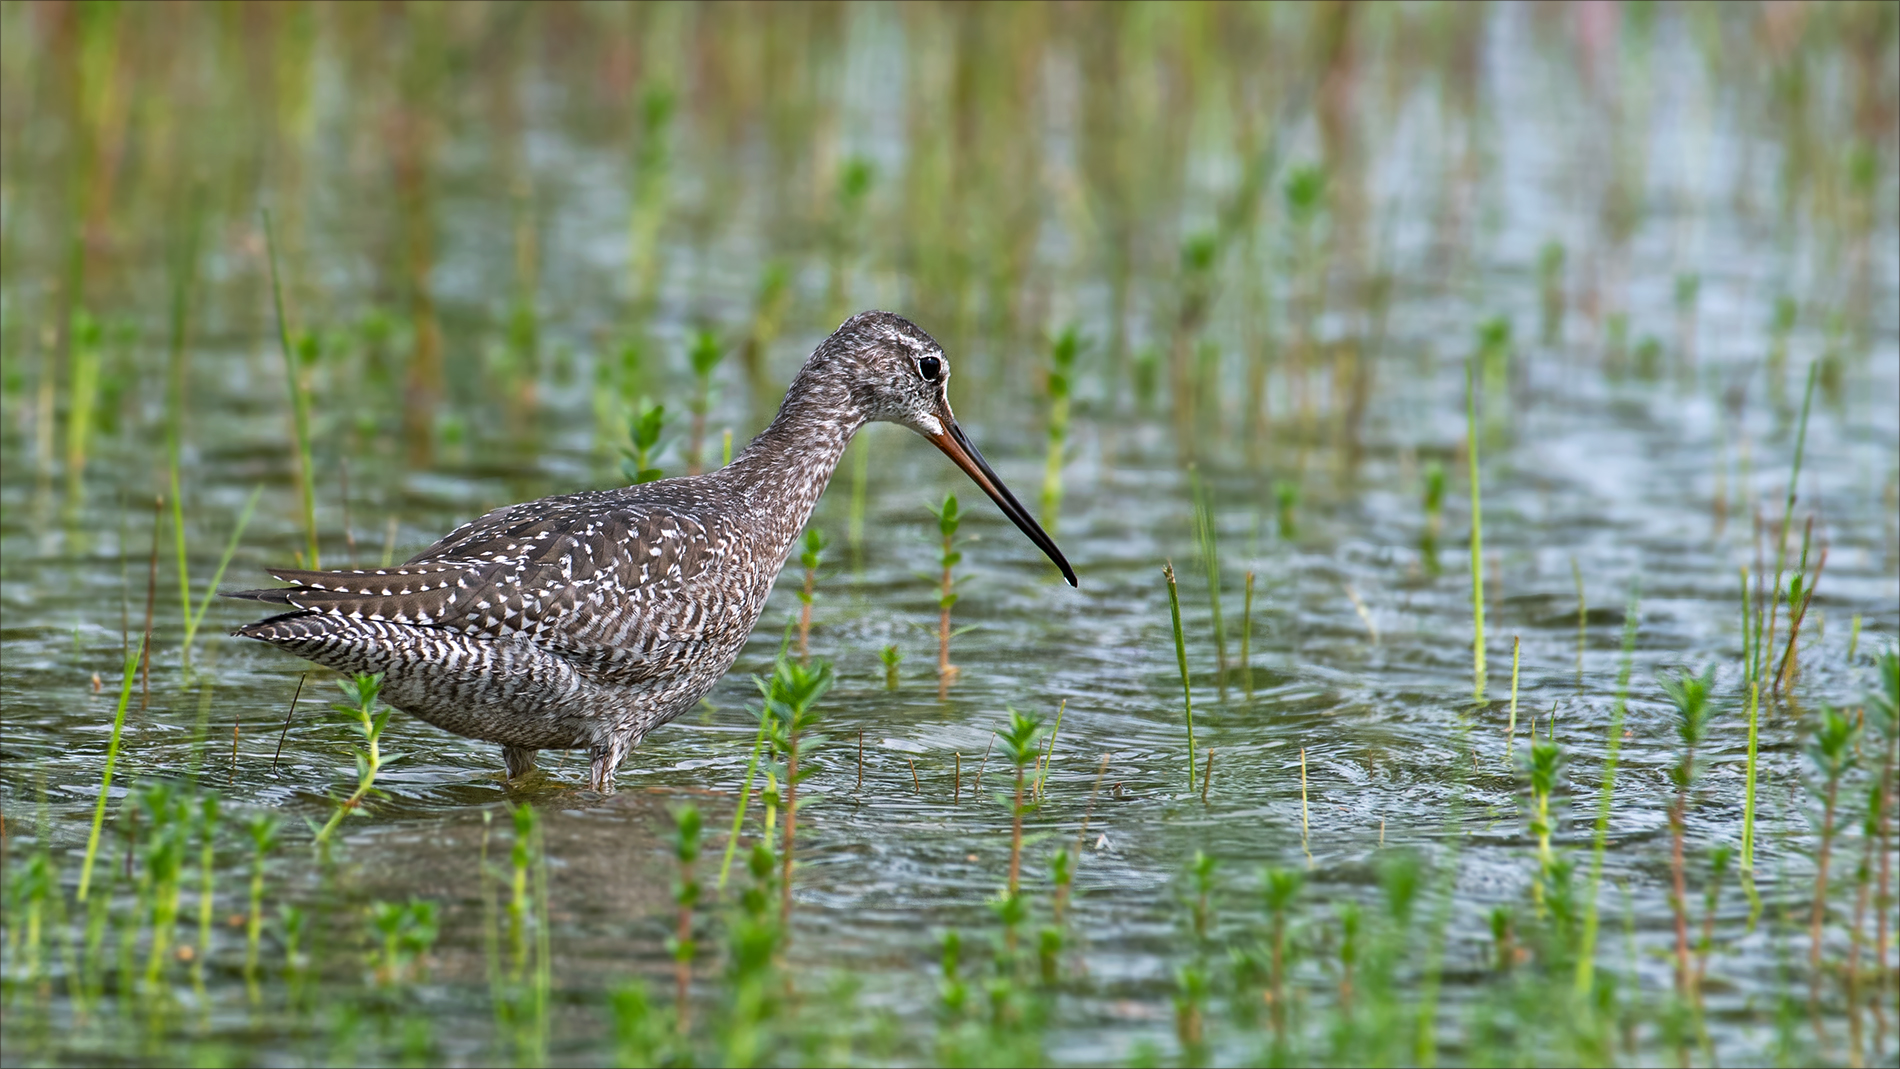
(1586, 952)
(105, 779)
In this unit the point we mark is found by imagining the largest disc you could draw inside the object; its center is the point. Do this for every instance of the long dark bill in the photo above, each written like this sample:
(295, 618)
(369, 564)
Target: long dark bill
(957, 446)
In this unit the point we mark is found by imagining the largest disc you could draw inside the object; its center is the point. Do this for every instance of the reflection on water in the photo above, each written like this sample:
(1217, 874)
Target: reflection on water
(502, 229)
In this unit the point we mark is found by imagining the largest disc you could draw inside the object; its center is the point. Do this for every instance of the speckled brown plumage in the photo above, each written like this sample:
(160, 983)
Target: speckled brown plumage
(587, 620)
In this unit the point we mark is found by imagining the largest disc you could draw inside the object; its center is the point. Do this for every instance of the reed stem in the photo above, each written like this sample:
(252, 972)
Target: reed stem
(105, 778)
(299, 403)
(1477, 534)
(1180, 656)
(1586, 953)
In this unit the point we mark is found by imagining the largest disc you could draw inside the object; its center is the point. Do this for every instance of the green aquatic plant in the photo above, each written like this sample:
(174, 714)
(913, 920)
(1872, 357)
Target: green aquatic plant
(652, 161)
(296, 360)
(194, 620)
(402, 933)
(1689, 693)
(361, 714)
(1286, 503)
(262, 830)
(890, 656)
(1542, 766)
(1180, 657)
(1586, 951)
(1434, 501)
(1061, 383)
(105, 775)
(1831, 755)
(704, 356)
(813, 555)
(1550, 285)
(643, 434)
(789, 711)
(207, 883)
(1207, 544)
(682, 945)
(948, 557)
(1477, 537)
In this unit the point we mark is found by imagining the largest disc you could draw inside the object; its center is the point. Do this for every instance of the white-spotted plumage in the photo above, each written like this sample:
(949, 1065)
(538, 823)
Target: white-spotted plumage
(587, 620)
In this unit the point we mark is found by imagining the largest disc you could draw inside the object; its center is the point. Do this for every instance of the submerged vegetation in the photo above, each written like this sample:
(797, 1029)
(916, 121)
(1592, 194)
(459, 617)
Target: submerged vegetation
(1328, 296)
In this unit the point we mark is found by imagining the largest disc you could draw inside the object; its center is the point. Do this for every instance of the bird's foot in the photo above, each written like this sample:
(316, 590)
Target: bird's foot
(600, 775)
(519, 759)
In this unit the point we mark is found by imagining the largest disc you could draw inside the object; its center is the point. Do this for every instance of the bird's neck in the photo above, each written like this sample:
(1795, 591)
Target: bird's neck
(784, 471)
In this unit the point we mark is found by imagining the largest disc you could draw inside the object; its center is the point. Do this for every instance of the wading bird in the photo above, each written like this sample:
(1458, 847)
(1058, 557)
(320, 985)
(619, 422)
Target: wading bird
(587, 620)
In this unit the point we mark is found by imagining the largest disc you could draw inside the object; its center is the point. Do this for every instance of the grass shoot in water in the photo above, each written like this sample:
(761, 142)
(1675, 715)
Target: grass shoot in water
(745, 795)
(890, 656)
(1689, 694)
(262, 830)
(193, 620)
(1062, 354)
(362, 715)
(948, 557)
(813, 555)
(681, 945)
(1510, 735)
(299, 401)
(643, 435)
(207, 883)
(1208, 544)
(1477, 536)
(1180, 656)
(789, 714)
(1246, 638)
(105, 776)
(1787, 514)
(1021, 741)
(704, 356)
(1434, 501)
(1586, 952)
(1832, 754)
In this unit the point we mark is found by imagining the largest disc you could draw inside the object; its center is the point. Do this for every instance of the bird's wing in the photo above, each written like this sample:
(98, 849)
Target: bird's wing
(584, 576)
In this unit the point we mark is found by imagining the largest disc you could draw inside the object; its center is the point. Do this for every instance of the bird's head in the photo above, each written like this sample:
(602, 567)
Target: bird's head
(893, 372)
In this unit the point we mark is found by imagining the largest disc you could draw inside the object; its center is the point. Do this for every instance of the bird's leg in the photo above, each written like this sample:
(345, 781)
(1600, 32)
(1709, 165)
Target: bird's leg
(519, 759)
(607, 758)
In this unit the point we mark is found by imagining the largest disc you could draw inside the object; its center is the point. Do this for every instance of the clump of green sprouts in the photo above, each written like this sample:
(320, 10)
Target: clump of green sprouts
(1689, 694)
(949, 519)
(1061, 382)
(643, 434)
(360, 712)
(705, 355)
(811, 557)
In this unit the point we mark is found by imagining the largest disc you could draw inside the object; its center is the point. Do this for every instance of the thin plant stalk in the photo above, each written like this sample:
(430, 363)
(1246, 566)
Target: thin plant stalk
(1787, 513)
(370, 723)
(193, 620)
(1748, 796)
(745, 795)
(1586, 953)
(1305, 841)
(1784, 676)
(1246, 639)
(183, 276)
(1042, 777)
(1477, 536)
(299, 402)
(1208, 541)
(1510, 738)
(207, 856)
(1180, 656)
(105, 778)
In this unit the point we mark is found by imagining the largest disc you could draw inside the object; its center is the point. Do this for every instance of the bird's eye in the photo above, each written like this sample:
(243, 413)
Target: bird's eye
(930, 367)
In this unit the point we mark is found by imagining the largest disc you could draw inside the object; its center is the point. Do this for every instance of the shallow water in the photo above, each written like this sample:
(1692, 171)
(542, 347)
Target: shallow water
(1586, 461)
